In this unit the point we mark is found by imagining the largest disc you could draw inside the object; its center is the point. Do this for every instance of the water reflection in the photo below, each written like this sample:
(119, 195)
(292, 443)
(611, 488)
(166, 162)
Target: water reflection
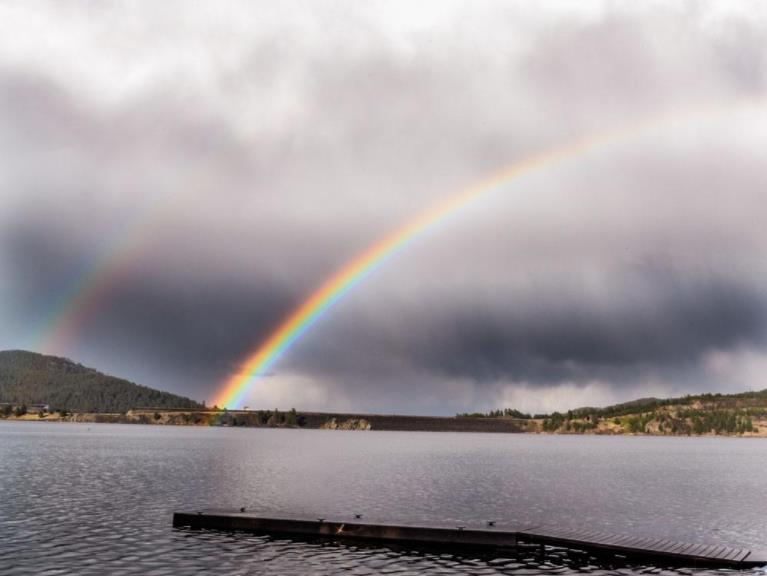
(99, 499)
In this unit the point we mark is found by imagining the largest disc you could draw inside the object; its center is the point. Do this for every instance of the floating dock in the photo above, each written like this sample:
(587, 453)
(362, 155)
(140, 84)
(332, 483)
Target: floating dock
(489, 537)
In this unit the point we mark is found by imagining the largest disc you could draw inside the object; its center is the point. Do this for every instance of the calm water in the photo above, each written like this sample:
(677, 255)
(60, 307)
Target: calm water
(98, 499)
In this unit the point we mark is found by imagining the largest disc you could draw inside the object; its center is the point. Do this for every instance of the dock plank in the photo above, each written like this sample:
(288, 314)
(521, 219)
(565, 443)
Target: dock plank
(616, 539)
(661, 545)
(723, 552)
(696, 550)
(739, 554)
(682, 548)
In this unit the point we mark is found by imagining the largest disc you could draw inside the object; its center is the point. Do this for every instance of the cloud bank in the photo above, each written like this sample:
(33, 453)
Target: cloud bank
(254, 149)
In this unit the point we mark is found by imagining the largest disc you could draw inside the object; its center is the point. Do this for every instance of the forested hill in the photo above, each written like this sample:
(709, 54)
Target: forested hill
(733, 414)
(31, 378)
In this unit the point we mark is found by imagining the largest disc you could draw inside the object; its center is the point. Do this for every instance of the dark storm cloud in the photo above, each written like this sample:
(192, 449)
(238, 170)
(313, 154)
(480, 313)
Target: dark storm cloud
(660, 319)
(574, 342)
(249, 157)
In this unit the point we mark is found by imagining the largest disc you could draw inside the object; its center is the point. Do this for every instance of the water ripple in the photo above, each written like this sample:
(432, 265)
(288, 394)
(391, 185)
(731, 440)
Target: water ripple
(79, 499)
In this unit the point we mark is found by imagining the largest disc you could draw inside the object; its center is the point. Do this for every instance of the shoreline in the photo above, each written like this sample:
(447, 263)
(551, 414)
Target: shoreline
(360, 422)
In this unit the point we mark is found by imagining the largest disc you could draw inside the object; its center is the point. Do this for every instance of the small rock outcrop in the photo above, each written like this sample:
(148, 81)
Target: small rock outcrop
(350, 424)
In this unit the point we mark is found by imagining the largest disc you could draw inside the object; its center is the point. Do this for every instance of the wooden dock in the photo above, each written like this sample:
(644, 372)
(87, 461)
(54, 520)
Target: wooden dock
(642, 547)
(489, 536)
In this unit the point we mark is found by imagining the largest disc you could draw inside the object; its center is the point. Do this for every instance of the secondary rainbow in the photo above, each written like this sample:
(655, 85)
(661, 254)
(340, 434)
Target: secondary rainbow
(57, 331)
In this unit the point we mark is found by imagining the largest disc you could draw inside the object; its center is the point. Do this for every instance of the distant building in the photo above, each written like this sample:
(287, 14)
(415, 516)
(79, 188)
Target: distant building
(32, 408)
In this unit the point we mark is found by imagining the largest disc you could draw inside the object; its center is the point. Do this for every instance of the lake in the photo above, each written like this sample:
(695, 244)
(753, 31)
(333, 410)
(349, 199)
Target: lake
(99, 498)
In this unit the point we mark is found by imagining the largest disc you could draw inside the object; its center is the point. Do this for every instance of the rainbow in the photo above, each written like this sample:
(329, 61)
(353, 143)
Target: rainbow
(260, 362)
(57, 331)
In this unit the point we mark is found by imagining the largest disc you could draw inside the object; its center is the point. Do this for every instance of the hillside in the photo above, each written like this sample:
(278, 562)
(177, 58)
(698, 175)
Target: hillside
(725, 414)
(31, 378)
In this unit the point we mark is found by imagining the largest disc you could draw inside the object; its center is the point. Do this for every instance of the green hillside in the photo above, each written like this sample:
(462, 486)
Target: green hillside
(744, 413)
(31, 378)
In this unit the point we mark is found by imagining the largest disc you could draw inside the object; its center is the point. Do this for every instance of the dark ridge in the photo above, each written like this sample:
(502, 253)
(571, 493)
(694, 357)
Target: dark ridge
(32, 378)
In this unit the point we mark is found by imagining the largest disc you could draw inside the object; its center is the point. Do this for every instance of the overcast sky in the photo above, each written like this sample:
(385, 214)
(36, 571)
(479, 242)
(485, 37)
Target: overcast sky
(256, 147)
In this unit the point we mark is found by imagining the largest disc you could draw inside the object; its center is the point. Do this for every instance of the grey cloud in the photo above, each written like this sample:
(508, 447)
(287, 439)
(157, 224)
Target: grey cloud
(267, 164)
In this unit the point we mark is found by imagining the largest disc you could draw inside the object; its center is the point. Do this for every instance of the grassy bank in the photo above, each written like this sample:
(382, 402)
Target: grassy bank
(742, 414)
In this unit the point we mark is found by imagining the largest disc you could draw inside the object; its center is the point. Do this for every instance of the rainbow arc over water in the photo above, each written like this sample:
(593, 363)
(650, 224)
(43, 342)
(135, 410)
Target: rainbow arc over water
(61, 325)
(301, 320)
